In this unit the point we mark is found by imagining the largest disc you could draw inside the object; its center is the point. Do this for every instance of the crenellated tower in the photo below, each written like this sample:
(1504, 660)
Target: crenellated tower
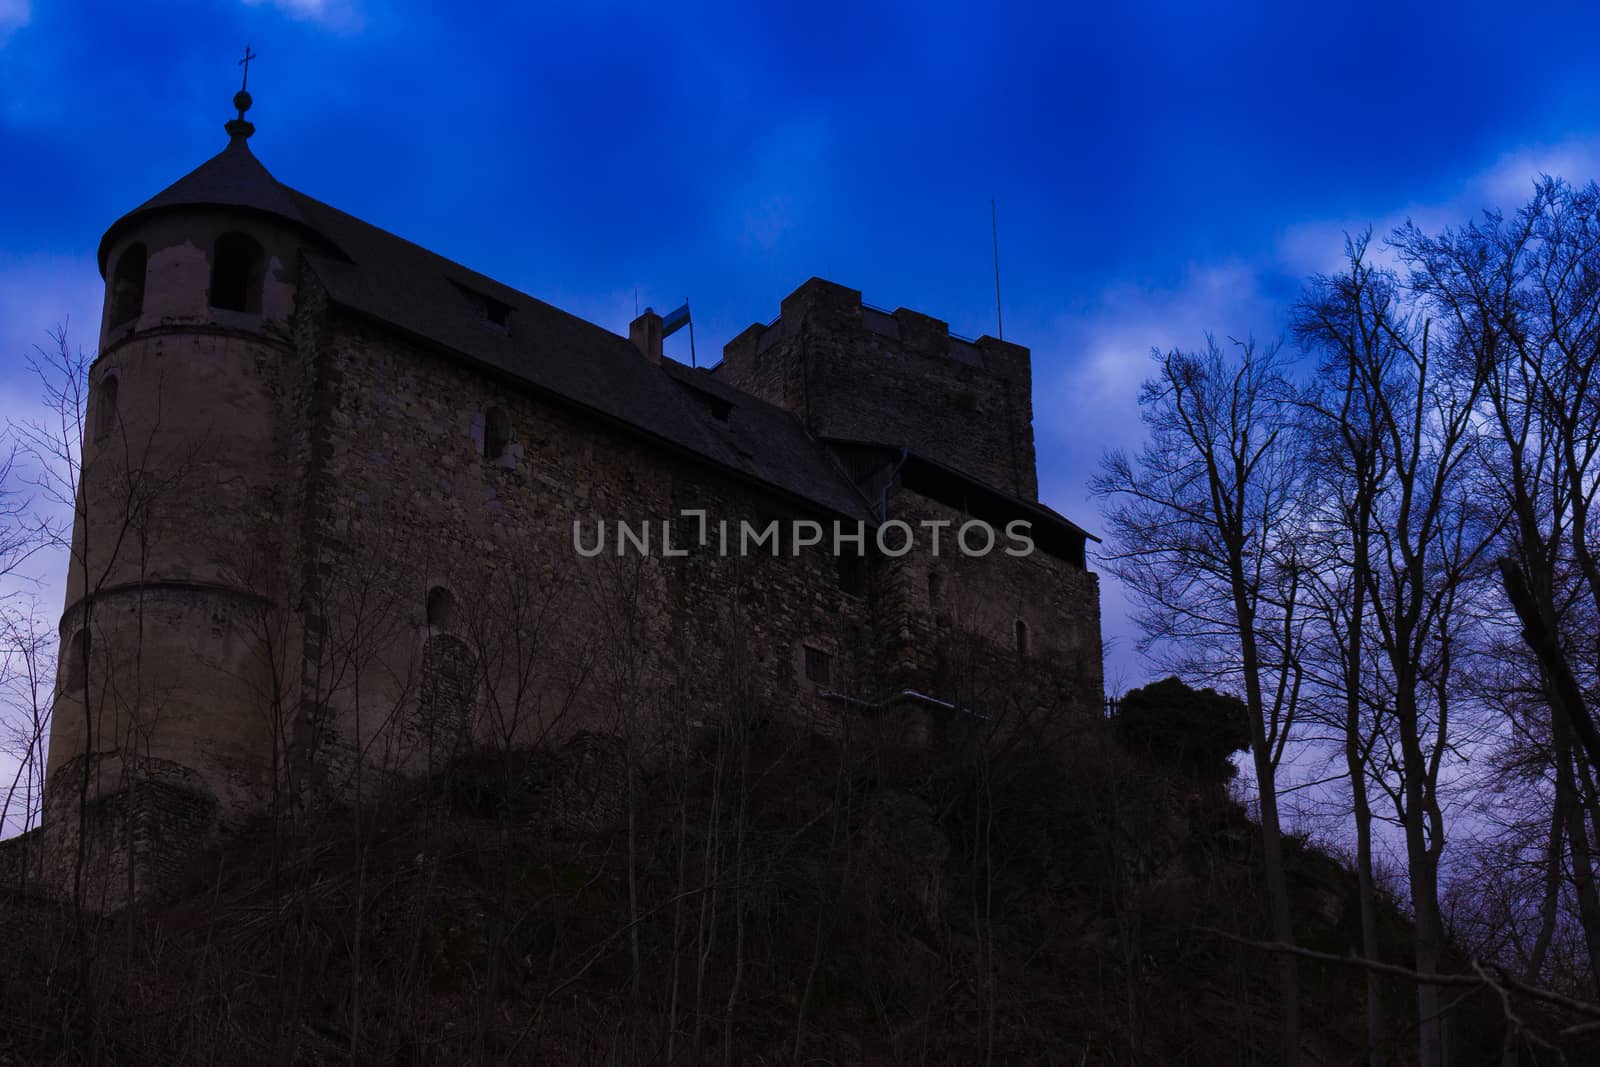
(858, 374)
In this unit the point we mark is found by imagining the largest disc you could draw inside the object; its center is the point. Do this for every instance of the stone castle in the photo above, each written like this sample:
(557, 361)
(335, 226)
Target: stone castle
(342, 500)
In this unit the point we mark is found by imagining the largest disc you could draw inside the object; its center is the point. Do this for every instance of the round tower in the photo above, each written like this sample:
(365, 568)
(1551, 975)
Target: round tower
(165, 718)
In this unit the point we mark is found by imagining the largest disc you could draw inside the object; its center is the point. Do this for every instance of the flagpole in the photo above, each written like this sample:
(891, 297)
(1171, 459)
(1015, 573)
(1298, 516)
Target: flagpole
(994, 231)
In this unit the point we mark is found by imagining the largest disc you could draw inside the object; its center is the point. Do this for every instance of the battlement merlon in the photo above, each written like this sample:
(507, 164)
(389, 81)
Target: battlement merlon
(832, 306)
(856, 372)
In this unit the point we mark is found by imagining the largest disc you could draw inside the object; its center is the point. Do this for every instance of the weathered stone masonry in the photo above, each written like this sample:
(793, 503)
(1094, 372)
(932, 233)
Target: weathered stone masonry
(852, 372)
(325, 538)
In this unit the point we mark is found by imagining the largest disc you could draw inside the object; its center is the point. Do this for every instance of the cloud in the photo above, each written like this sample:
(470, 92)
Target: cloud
(1317, 247)
(1089, 401)
(14, 14)
(335, 14)
(1087, 379)
(38, 294)
(1086, 395)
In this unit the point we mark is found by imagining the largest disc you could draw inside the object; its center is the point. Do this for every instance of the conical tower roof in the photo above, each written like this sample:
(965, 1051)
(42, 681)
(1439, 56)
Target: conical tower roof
(232, 178)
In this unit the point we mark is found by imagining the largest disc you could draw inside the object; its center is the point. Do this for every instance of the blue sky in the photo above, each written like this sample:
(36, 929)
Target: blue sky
(1160, 170)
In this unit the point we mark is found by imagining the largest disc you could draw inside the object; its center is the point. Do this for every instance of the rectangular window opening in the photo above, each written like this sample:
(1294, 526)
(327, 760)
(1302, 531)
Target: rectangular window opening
(819, 666)
(852, 573)
(497, 313)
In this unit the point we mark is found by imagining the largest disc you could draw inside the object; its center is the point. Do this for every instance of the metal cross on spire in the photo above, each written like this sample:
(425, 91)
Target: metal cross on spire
(238, 128)
(244, 84)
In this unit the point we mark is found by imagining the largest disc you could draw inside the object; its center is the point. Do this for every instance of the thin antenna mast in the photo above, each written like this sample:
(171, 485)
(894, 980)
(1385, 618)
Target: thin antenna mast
(994, 229)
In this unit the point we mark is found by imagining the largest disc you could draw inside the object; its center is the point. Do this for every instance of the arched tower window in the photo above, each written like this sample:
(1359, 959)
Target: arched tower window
(935, 590)
(127, 285)
(496, 432)
(106, 411)
(1022, 638)
(441, 608)
(237, 273)
(77, 673)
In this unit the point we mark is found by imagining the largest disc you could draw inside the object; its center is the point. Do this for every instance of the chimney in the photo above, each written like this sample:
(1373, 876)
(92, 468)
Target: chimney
(645, 333)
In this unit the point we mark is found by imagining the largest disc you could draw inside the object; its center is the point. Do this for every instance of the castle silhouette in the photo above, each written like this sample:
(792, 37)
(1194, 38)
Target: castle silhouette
(325, 530)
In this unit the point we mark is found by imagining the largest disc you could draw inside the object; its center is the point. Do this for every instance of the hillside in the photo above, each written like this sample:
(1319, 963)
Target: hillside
(798, 900)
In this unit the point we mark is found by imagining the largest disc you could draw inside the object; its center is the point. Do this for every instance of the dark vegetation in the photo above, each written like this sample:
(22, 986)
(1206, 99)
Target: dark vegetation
(1195, 730)
(855, 903)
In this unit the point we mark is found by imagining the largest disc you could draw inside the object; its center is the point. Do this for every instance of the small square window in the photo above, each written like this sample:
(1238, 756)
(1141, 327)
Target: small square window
(497, 314)
(819, 666)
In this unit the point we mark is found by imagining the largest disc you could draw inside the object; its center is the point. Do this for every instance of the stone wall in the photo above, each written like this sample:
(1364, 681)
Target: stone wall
(949, 622)
(409, 503)
(144, 828)
(22, 860)
(608, 643)
(340, 586)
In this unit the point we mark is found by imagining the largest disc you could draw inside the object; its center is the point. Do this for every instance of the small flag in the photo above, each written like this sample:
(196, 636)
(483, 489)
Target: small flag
(675, 321)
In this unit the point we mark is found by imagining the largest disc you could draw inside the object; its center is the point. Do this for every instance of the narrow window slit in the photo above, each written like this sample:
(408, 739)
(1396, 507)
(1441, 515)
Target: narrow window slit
(496, 433)
(106, 412)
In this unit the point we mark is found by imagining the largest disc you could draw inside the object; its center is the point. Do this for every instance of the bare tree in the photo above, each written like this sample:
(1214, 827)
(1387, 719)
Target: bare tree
(1518, 298)
(27, 682)
(1521, 893)
(27, 648)
(1206, 535)
(120, 492)
(1340, 318)
(1521, 298)
(1427, 536)
(513, 626)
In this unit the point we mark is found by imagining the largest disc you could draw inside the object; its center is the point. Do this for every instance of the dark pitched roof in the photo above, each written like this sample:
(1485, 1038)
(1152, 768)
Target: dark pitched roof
(403, 285)
(389, 279)
(233, 177)
(938, 481)
(770, 442)
(1031, 508)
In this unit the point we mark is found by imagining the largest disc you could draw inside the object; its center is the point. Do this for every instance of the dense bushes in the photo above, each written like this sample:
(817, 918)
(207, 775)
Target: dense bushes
(1194, 730)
